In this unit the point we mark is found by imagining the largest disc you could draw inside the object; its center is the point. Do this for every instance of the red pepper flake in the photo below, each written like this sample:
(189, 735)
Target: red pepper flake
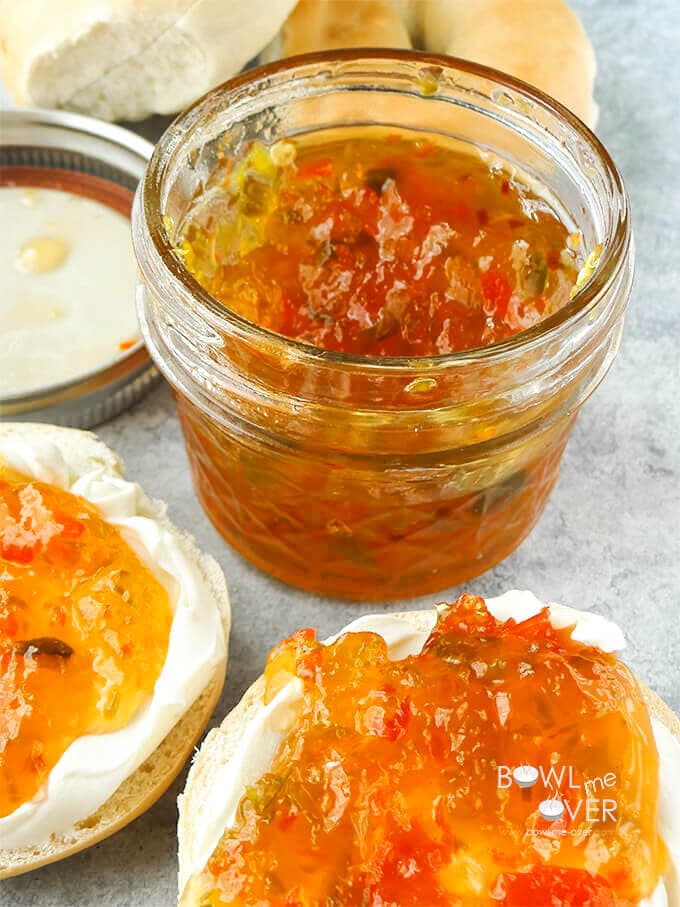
(305, 636)
(552, 259)
(307, 667)
(496, 290)
(425, 149)
(289, 197)
(38, 763)
(288, 311)
(316, 170)
(20, 554)
(10, 625)
(462, 214)
(287, 819)
(71, 528)
(505, 187)
(126, 345)
(552, 887)
(395, 727)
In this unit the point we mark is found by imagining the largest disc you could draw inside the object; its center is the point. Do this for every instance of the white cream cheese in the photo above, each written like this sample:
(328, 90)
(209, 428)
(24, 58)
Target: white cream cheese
(94, 766)
(272, 723)
(67, 278)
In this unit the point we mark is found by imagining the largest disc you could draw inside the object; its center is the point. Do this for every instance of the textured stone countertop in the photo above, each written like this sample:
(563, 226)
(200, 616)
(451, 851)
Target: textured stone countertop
(610, 538)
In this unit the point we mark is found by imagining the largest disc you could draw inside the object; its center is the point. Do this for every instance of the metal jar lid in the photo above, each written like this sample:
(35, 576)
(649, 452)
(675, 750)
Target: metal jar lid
(56, 139)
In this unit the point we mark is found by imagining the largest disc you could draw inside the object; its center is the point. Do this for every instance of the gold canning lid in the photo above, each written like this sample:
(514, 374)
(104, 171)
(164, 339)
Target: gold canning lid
(59, 140)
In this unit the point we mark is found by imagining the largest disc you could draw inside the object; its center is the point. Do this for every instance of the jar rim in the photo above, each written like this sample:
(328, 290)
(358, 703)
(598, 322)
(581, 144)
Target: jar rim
(608, 267)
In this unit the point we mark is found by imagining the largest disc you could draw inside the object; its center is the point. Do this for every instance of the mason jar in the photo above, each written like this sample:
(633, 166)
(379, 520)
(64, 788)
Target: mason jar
(364, 477)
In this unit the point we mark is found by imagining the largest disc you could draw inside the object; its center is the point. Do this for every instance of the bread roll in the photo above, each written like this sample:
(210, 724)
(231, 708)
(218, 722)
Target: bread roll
(126, 59)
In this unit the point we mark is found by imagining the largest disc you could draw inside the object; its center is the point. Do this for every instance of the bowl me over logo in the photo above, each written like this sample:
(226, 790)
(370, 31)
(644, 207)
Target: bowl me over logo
(569, 795)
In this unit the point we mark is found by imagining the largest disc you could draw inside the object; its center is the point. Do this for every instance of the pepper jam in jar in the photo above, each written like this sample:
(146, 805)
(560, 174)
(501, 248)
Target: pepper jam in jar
(381, 286)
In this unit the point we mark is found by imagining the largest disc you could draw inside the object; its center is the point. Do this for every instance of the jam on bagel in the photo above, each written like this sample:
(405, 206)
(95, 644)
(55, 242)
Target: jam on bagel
(394, 784)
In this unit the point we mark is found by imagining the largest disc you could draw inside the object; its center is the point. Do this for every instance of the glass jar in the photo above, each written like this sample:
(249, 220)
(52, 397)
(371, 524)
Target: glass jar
(378, 478)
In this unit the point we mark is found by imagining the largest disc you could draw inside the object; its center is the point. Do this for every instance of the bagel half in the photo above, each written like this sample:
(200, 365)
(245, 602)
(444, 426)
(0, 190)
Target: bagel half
(221, 743)
(335, 24)
(541, 42)
(140, 790)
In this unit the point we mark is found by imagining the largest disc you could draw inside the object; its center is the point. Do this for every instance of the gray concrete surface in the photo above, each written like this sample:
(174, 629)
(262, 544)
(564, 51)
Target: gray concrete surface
(610, 537)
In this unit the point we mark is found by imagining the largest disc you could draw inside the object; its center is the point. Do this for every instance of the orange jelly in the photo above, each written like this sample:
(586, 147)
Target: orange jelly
(395, 786)
(84, 628)
(380, 248)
